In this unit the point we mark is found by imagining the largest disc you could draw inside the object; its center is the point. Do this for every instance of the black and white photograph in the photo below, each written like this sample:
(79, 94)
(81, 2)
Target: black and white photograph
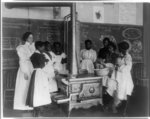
(78, 59)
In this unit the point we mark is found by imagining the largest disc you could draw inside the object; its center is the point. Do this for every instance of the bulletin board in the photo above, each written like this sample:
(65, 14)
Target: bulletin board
(132, 33)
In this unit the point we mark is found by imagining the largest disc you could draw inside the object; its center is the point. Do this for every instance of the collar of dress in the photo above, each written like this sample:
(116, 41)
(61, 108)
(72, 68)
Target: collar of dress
(28, 44)
(89, 50)
(37, 51)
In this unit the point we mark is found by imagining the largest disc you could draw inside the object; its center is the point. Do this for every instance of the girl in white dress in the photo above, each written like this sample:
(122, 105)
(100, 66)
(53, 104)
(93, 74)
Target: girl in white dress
(49, 68)
(24, 72)
(122, 75)
(88, 57)
(59, 58)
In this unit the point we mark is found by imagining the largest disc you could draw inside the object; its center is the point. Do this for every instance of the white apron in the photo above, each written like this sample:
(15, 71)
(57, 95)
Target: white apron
(124, 80)
(61, 68)
(21, 88)
(88, 57)
(49, 69)
(41, 94)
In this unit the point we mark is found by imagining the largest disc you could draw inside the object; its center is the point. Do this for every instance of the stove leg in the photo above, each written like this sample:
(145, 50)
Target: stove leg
(69, 113)
(69, 110)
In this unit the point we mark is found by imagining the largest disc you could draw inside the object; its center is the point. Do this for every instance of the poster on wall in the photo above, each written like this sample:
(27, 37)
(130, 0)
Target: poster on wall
(98, 14)
(127, 13)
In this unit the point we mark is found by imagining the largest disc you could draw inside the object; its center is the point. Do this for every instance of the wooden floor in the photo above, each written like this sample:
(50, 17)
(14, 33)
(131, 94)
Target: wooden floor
(137, 107)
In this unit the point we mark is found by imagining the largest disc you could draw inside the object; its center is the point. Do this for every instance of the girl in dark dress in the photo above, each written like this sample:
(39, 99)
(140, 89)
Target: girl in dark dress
(108, 57)
(103, 51)
(38, 94)
(111, 54)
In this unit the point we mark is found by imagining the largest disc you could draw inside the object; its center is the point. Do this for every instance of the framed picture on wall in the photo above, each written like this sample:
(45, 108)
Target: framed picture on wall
(98, 14)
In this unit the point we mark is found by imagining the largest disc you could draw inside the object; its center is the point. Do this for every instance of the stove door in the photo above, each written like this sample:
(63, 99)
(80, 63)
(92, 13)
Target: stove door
(91, 91)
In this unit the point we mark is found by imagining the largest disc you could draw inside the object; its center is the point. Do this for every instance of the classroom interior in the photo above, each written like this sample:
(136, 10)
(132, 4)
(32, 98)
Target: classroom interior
(71, 23)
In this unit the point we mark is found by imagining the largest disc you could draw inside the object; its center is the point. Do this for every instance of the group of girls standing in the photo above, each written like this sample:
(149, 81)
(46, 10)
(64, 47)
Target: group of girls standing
(117, 85)
(36, 75)
(39, 64)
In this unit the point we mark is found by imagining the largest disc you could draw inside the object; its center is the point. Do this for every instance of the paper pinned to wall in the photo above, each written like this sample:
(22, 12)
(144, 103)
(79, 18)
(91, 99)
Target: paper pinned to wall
(98, 14)
(127, 13)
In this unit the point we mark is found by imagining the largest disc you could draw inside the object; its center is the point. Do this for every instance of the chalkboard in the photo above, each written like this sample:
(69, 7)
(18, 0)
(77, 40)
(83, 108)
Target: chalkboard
(132, 33)
(13, 29)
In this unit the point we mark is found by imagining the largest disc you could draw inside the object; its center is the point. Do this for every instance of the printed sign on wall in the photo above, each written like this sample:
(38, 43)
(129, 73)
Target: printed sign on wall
(127, 13)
